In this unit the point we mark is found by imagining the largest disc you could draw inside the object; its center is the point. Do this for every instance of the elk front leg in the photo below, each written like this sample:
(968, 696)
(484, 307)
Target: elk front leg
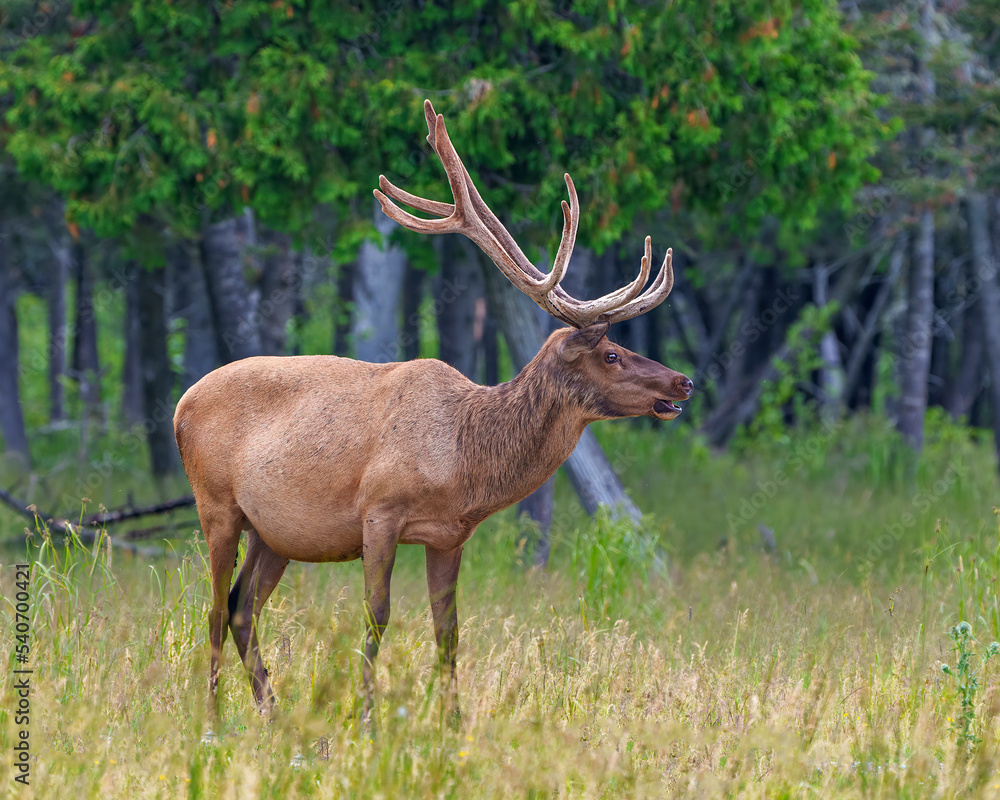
(442, 580)
(378, 554)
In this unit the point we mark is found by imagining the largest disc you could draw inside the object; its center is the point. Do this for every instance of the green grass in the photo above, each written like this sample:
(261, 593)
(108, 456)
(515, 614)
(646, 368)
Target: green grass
(682, 660)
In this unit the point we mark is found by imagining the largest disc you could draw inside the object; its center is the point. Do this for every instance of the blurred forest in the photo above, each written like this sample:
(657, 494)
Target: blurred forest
(186, 183)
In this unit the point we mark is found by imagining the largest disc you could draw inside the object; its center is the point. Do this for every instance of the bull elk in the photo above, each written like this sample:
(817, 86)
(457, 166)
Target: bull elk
(322, 458)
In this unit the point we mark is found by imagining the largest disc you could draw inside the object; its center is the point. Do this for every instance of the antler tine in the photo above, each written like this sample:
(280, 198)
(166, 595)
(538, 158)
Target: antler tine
(590, 310)
(651, 298)
(571, 219)
(419, 203)
(412, 200)
(483, 213)
(458, 219)
(471, 216)
(408, 220)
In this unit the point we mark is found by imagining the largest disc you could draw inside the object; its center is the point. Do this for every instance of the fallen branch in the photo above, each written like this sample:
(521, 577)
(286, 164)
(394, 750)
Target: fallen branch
(148, 533)
(122, 514)
(93, 525)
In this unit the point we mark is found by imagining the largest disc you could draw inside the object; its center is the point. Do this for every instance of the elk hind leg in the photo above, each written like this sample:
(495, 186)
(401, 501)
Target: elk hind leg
(261, 571)
(222, 528)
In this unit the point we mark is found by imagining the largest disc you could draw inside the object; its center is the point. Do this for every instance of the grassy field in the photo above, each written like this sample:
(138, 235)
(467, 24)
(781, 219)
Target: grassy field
(683, 660)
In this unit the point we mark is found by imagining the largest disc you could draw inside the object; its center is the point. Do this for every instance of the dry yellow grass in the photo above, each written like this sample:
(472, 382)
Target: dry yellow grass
(734, 677)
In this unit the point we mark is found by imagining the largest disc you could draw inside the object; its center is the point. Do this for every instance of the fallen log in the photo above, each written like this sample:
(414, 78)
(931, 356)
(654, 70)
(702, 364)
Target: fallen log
(90, 527)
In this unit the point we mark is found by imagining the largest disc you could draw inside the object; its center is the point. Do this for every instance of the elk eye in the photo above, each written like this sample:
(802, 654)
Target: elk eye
(611, 358)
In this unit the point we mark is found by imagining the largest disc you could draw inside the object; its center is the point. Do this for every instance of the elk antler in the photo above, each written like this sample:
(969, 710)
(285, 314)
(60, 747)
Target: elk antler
(469, 215)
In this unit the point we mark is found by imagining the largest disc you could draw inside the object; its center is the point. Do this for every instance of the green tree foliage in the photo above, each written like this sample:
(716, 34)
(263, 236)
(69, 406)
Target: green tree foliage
(185, 111)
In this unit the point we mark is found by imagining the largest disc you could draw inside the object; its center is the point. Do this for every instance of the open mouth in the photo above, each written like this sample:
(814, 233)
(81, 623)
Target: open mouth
(664, 407)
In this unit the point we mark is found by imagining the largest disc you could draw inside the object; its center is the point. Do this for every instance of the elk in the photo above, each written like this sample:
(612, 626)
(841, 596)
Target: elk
(321, 458)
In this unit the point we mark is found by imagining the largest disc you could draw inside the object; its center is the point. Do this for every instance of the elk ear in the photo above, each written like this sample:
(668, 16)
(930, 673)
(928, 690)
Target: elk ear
(583, 341)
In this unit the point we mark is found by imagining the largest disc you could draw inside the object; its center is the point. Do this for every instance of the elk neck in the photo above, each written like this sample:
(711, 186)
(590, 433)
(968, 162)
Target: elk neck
(513, 436)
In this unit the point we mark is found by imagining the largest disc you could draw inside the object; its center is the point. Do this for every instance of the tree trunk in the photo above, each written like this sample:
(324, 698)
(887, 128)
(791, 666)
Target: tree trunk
(342, 312)
(277, 289)
(133, 409)
(712, 362)
(58, 328)
(86, 366)
(963, 391)
(832, 371)
(378, 286)
(861, 350)
(689, 324)
(915, 349)
(232, 300)
(984, 266)
(491, 352)
(15, 437)
(538, 508)
(201, 350)
(157, 375)
(413, 295)
(918, 333)
(456, 289)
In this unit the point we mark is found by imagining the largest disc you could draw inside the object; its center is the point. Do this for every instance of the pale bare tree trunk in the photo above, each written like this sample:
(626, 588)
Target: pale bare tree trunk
(232, 299)
(413, 295)
(917, 341)
(985, 268)
(378, 285)
(342, 312)
(15, 437)
(832, 371)
(968, 383)
(915, 349)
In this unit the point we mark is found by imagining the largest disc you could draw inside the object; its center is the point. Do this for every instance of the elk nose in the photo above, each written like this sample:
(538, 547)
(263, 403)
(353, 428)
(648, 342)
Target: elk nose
(687, 386)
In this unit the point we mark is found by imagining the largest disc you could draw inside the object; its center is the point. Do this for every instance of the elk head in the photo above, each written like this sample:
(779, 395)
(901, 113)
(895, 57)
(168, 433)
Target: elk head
(610, 381)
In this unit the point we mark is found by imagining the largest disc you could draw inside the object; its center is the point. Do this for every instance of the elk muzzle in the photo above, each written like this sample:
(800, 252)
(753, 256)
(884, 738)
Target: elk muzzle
(680, 389)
